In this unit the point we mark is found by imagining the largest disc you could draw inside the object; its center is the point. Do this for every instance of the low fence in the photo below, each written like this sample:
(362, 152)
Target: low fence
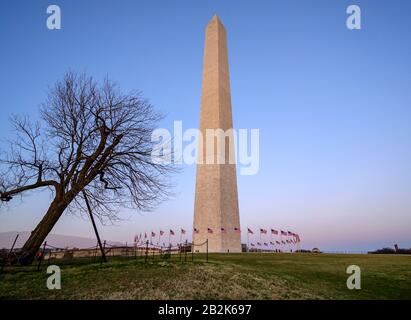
(49, 254)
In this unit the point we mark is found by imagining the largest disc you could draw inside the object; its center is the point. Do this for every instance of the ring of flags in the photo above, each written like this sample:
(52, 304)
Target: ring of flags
(291, 238)
(142, 238)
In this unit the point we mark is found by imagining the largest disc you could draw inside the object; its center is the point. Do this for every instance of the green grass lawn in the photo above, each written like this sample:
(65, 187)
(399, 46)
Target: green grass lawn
(225, 276)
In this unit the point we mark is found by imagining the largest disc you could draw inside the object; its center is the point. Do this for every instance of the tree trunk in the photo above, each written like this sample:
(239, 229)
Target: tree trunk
(39, 234)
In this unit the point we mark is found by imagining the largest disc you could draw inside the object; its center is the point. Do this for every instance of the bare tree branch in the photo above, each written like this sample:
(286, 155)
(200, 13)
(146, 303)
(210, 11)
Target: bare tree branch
(96, 139)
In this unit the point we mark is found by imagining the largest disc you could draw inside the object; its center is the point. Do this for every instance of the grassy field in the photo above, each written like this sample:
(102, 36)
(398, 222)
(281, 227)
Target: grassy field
(233, 276)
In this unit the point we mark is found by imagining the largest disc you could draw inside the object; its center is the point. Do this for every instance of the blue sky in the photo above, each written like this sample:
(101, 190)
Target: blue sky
(333, 105)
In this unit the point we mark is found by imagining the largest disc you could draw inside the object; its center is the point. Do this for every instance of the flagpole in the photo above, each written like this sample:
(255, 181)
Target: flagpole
(181, 235)
(289, 244)
(281, 239)
(271, 236)
(294, 244)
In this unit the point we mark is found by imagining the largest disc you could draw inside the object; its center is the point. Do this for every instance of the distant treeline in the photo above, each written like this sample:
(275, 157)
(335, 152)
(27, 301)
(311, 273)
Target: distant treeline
(391, 251)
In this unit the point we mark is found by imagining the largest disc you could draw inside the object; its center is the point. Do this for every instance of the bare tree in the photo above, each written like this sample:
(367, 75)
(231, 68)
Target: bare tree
(97, 140)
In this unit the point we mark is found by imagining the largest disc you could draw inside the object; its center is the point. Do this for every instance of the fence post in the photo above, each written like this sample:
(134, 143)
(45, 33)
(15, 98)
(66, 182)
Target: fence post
(207, 250)
(95, 251)
(146, 251)
(185, 252)
(103, 253)
(192, 252)
(41, 257)
(179, 249)
(7, 257)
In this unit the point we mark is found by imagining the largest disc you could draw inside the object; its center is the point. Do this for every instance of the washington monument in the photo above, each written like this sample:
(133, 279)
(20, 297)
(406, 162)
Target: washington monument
(216, 214)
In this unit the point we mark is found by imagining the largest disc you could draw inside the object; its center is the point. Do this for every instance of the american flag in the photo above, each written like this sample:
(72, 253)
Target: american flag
(278, 242)
(258, 243)
(223, 230)
(283, 233)
(252, 244)
(196, 230)
(183, 231)
(237, 230)
(161, 233)
(209, 230)
(153, 234)
(282, 242)
(172, 232)
(265, 243)
(274, 231)
(263, 231)
(250, 231)
(272, 243)
(290, 233)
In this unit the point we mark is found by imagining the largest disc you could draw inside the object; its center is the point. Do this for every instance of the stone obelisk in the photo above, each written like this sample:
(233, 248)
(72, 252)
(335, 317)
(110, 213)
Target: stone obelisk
(216, 213)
